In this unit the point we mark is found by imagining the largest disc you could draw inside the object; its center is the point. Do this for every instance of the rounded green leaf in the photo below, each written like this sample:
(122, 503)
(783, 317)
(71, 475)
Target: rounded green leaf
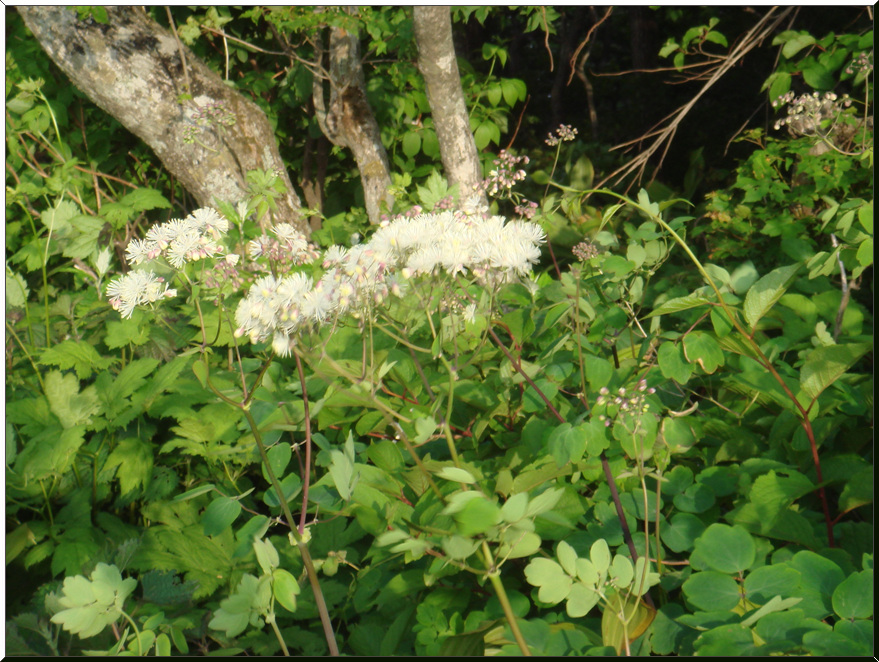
(712, 591)
(291, 484)
(219, 515)
(581, 600)
(702, 348)
(729, 549)
(285, 589)
(478, 516)
(548, 575)
(681, 533)
(853, 598)
(411, 144)
(770, 581)
(622, 571)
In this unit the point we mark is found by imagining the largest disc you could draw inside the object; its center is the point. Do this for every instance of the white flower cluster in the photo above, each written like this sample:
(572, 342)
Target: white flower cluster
(194, 238)
(806, 112)
(493, 250)
(179, 241)
(135, 289)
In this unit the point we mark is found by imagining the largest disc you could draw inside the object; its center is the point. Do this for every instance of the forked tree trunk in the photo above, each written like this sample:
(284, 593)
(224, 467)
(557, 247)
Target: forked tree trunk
(348, 120)
(132, 68)
(439, 67)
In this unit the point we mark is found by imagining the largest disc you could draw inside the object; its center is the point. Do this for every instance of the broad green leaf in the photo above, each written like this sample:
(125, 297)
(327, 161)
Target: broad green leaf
(91, 605)
(57, 219)
(285, 588)
(16, 290)
(411, 143)
(144, 199)
(693, 300)
(553, 582)
(219, 515)
(702, 348)
(517, 544)
(772, 493)
(581, 600)
(621, 571)
(858, 491)
(825, 365)
(291, 484)
(712, 591)
(237, 611)
(796, 44)
(680, 534)
(769, 581)
(134, 459)
(279, 457)
(343, 473)
(764, 294)
(544, 501)
(729, 549)
(459, 547)
(79, 355)
(673, 364)
(853, 598)
(819, 578)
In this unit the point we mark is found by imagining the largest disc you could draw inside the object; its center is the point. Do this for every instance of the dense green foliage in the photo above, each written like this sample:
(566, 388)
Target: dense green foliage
(659, 441)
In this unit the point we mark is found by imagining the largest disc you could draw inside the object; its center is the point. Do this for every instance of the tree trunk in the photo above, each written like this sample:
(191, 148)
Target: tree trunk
(438, 66)
(349, 121)
(134, 70)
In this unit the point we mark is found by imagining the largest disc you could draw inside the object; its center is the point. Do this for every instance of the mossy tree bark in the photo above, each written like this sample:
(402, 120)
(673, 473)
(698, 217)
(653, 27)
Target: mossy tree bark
(439, 67)
(138, 72)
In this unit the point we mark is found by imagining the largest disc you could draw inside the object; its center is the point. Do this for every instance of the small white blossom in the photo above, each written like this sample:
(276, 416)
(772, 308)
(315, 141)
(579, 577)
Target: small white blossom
(137, 288)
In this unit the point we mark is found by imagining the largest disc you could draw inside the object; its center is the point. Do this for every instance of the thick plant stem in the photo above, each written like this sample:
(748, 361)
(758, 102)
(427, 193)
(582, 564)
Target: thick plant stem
(495, 577)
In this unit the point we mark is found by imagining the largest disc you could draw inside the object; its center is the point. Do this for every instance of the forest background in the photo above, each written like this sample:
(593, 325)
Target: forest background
(342, 407)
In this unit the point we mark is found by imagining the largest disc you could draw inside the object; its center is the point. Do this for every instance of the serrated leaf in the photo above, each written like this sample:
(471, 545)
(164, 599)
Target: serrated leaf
(144, 199)
(825, 365)
(135, 461)
(57, 219)
(16, 290)
(90, 606)
(79, 355)
(764, 294)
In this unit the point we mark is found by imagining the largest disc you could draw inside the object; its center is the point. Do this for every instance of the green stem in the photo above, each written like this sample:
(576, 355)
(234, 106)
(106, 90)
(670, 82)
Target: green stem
(27, 354)
(300, 541)
(136, 634)
(494, 576)
(279, 636)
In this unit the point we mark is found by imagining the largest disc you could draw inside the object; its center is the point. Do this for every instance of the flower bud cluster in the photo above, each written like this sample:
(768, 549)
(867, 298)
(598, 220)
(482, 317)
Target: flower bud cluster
(632, 404)
(806, 112)
(287, 249)
(585, 250)
(526, 209)
(565, 133)
(365, 275)
(506, 173)
(861, 64)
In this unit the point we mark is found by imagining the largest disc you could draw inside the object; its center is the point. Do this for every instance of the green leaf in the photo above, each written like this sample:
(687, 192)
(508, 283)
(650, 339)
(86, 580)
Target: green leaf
(266, 555)
(16, 290)
(279, 457)
(621, 571)
(567, 557)
(514, 509)
(853, 598)
(144, 199)
(672, 362)
(544, 502)
(285, 589)
(553, 582)
(858, 491)
(126, 332)
(764, 294)
(91, 605)
(135, 461)
(57, 219)
(818, 77)
(477, 516)
(237, 611)
(457, 475)
(70, 406)
(712, 591)
(84, 240)
(411, 143)
(79, 355)
(599, 554)
(825, 365)
(769, 581)
(702, 348)
(796, 44)
(772, 493)
(729, 549)
(682, 531)
(219, 515)
(581, 600)
(567, 443)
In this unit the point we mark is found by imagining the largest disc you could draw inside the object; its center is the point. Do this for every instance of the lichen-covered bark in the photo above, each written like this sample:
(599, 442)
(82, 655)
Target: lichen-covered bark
(438, 66)
(131, 67)
(348, 120)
